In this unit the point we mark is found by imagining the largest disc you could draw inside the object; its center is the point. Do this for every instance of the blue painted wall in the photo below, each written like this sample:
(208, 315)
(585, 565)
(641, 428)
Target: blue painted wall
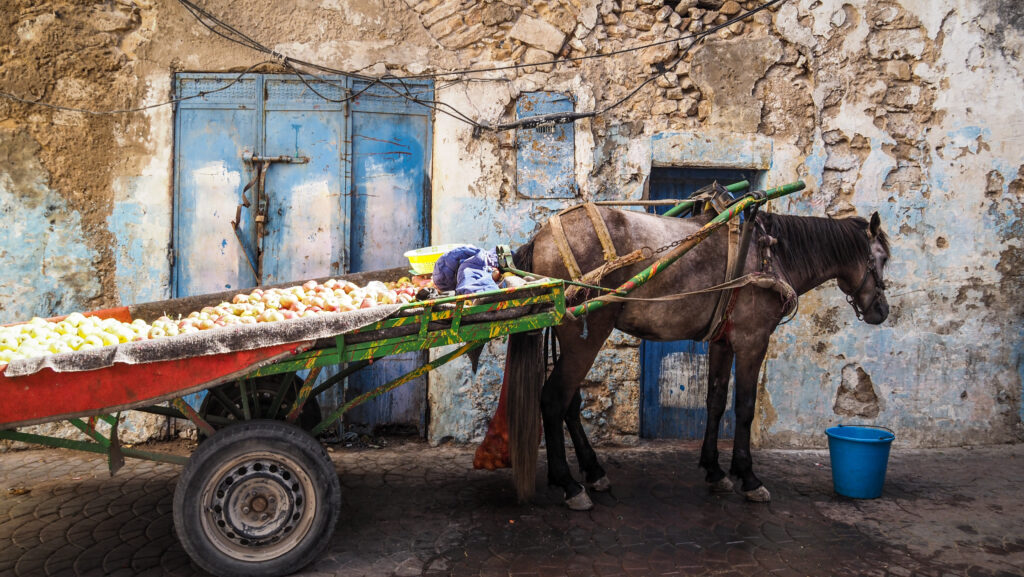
(46, 267)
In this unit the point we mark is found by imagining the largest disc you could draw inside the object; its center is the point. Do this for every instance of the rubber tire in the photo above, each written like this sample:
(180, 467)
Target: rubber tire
(235, 441)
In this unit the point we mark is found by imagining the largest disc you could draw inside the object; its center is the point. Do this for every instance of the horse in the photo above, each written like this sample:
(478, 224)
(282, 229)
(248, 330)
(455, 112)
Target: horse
(802, 251)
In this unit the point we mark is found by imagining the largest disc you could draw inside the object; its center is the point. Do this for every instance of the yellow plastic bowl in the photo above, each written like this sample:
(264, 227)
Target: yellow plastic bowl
(422, 259)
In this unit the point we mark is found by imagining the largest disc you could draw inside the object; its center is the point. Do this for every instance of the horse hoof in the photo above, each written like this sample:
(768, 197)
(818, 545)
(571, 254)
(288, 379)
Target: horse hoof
(601, 485)
(758, 495)
(723, 485)
(580, 502)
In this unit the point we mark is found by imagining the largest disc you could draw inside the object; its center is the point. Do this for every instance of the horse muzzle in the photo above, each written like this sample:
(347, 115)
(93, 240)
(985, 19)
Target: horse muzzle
(877, 313)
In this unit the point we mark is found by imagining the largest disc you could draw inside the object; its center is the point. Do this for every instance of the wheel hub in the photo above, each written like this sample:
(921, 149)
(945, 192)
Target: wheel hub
(257, 503)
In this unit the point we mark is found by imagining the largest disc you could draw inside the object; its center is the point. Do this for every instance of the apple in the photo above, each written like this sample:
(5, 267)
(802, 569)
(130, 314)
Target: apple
(94, 340)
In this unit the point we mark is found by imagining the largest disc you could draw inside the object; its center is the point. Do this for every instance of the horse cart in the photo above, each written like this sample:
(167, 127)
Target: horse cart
(259, 495)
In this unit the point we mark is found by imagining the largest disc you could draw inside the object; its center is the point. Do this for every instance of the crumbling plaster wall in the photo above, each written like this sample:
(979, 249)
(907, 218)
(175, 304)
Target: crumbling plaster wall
(918, 116)
(909, 108)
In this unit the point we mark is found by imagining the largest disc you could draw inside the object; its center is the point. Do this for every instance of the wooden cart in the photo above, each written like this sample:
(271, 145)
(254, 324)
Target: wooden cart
(259, 496)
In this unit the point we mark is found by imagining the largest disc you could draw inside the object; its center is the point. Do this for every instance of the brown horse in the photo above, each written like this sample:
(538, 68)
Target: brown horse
(802, 251)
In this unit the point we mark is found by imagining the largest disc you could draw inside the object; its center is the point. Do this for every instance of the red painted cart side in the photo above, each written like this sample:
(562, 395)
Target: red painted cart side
(49, 396)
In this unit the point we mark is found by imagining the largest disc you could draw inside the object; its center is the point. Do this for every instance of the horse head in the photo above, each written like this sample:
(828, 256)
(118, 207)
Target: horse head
(864, 282)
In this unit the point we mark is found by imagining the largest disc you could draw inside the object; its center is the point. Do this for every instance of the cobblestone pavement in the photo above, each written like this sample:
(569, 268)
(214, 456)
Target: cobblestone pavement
(411, 509)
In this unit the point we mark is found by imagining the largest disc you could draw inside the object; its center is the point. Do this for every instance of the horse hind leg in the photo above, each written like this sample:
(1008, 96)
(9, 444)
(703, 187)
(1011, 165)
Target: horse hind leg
(592, 471)
(560, 389)
(720, 358)
(553, 411)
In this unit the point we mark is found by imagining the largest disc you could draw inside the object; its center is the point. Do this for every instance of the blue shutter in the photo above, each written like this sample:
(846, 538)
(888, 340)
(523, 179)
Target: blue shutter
(545, 156)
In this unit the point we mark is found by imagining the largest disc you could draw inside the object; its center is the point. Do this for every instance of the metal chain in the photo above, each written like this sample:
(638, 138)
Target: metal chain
(667, 247)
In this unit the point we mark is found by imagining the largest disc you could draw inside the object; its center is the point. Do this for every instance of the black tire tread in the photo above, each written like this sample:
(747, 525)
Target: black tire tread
(254, 432)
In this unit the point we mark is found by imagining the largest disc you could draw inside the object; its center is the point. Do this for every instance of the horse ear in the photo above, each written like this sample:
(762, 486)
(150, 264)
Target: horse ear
(875, 225)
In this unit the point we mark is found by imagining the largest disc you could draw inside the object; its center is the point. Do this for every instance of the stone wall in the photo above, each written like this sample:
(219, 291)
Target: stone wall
(909, 108)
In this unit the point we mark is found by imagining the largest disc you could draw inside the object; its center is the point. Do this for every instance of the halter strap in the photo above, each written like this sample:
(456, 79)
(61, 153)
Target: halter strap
(879, 287)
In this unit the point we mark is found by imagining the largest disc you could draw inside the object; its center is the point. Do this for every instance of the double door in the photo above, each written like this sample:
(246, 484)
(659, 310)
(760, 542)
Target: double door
(278, 179)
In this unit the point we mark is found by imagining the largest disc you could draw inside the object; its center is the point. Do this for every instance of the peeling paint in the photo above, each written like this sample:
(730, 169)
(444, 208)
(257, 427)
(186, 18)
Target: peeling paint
(875, 105)
(47, 267)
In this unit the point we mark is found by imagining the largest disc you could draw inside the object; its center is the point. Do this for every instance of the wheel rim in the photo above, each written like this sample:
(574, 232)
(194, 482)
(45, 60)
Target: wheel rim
(258, 506)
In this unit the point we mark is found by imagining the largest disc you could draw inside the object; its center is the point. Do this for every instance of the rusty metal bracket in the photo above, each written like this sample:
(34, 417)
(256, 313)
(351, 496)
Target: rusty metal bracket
(259, 205)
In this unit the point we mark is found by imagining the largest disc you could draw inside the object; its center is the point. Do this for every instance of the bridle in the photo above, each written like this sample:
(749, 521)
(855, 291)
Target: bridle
(879, 288)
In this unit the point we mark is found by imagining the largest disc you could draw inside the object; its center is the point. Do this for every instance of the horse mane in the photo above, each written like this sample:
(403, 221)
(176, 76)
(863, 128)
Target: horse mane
(523, 256)
(809, 244)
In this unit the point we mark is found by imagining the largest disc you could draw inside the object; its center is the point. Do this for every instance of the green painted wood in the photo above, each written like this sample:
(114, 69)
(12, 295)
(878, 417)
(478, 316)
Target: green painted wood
(90, 447)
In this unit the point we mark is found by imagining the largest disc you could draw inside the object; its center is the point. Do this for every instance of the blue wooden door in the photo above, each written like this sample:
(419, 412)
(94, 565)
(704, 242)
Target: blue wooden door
(673, 375)
(390, 199)
(326, 216)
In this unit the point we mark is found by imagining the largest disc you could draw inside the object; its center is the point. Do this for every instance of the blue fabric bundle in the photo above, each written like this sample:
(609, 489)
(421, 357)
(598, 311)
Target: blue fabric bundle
(466, 269)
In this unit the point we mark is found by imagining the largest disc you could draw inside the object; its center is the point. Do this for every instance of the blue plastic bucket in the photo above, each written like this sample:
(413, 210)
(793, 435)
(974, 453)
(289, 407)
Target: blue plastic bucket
(859, 456)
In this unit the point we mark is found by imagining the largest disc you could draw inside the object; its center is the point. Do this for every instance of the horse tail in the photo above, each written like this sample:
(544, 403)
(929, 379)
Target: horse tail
(526, 372)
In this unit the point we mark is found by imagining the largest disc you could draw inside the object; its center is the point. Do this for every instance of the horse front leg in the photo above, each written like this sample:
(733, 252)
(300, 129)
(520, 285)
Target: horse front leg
(720, 359)
(748, 367)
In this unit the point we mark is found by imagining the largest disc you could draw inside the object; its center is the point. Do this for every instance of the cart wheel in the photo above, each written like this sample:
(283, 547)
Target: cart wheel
(259, 498)
(263, 392)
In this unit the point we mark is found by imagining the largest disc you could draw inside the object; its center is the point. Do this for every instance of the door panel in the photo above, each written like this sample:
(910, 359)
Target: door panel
(306, 216)
(389, 184)
(388, 202)
(675, 385)
(210, 177)
(673, 375)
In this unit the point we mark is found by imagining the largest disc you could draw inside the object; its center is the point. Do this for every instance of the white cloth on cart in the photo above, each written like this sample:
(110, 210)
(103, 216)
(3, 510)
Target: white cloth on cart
(209, 342)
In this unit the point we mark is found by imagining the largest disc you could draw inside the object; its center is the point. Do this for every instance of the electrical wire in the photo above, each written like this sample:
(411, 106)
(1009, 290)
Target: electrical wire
(202, 93)
(230, 33)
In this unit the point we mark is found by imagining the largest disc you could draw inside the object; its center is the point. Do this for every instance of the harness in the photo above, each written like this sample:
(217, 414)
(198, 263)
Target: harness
(729, 290)
(766, 277)
(879, 289)
(612, 261)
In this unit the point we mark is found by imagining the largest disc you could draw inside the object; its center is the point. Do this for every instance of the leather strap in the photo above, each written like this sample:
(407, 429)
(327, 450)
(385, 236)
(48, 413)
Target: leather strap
(602, 232)
(563, 248)
(595, 276)
(725, 299)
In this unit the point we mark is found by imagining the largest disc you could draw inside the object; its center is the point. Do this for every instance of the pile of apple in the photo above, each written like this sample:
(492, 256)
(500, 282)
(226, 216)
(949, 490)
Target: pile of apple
(77, 332)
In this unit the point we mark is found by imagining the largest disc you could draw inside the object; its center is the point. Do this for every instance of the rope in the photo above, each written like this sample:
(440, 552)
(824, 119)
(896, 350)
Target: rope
(759, 280)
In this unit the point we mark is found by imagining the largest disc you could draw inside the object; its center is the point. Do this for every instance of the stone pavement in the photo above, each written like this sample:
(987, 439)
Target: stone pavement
(410, 509)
